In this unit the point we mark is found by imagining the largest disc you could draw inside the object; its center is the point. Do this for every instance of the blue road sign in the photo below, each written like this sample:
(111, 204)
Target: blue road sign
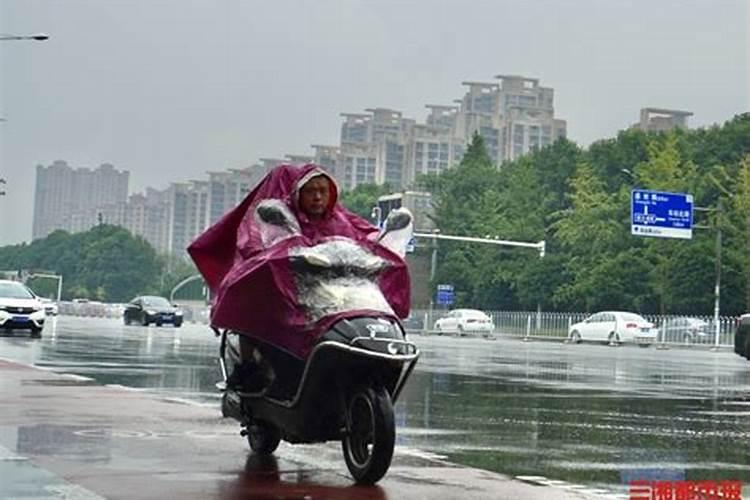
(411, 245)
(660, 214)
(445, 294)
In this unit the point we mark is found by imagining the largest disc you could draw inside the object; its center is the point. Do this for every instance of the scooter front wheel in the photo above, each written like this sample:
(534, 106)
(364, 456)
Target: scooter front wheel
(263, 437)
(370, 434)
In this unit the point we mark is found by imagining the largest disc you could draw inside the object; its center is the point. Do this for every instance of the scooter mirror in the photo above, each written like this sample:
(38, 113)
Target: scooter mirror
(397, 220)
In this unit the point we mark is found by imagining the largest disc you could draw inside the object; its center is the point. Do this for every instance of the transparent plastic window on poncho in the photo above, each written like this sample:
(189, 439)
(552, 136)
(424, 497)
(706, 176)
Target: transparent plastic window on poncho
(275, 222)
(338, 276)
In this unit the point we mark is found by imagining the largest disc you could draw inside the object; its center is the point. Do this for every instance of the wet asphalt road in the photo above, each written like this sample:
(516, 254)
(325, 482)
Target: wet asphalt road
(587, 414)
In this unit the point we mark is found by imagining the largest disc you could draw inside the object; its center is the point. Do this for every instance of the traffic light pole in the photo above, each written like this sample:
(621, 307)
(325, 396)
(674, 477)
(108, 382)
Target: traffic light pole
(540, 246)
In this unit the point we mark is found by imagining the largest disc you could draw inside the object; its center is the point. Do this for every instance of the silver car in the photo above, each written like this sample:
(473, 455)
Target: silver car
(686, 330)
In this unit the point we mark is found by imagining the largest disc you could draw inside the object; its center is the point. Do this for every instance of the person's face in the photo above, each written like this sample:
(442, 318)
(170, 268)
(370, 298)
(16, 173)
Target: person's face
(314, 197)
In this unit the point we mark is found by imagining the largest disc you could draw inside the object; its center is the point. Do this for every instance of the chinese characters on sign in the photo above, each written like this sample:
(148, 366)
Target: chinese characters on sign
(661, 214)
(685, 490)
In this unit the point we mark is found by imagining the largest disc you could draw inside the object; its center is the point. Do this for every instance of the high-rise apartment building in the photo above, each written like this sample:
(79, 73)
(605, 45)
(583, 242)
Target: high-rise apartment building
(328, 158)
(187, 209)
(662, 120)
(514, 116)
(65, 197)
(375, 148)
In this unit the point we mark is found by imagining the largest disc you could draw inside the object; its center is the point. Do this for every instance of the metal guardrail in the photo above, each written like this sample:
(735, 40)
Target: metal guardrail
(555, 326)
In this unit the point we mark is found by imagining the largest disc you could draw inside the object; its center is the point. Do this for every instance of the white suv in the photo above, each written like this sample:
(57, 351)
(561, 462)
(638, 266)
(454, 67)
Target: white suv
(20, 308)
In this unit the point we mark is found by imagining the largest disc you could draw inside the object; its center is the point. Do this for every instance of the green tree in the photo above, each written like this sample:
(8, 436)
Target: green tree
(105, 263)
(737, 224)
(363, 198)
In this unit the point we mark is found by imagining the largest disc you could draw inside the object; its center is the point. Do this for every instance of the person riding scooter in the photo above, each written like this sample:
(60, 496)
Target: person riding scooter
(307, 299)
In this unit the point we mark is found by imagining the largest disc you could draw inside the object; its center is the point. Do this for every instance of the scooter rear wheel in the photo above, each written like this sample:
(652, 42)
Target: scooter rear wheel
(263, 437)
(370, 434)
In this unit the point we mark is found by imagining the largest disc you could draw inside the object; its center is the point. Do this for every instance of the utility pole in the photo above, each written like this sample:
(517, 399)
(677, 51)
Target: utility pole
(717, 265)
(717, 286)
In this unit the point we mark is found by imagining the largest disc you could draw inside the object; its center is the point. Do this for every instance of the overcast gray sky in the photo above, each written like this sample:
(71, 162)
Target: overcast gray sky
(169, 89)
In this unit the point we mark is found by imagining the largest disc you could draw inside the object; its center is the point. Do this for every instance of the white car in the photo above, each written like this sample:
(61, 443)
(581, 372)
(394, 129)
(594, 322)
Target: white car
(463, 321)
(20, 309)
(50, 307)
(614, 327)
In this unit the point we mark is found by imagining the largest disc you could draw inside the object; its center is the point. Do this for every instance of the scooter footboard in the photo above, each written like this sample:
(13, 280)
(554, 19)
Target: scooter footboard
(317, 411)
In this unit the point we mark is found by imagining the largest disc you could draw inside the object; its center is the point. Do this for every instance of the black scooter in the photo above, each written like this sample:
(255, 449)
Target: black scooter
(346, 388)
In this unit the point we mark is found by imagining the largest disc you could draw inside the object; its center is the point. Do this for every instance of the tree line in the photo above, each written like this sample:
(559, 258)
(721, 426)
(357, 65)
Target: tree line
(106, 263)
(578, 201)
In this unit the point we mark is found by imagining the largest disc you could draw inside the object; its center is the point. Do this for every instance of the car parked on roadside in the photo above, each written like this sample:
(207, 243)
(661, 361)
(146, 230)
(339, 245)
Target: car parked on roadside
(465, 321)
(147, 309)
(742, 337)
(20, 309)
(686, 330)
(614, 327)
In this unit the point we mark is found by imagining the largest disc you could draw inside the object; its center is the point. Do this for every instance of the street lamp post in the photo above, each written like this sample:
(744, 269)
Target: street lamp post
(4, 37)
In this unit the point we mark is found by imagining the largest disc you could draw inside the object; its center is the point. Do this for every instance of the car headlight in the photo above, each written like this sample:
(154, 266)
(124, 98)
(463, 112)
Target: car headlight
(150, 312)
(178, 313)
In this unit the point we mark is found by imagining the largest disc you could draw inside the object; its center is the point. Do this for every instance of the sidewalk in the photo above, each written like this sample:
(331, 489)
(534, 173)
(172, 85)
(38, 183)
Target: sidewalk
(64, 436)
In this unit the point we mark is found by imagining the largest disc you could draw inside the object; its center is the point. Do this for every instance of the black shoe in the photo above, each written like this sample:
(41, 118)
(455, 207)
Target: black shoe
(247, 377)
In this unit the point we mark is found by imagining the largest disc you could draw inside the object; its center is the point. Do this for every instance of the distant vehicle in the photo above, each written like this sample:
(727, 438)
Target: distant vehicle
(684, 329)
(50, 307)
(614, 327)
(413, 322)
(148, 309)
(742, 337)
(20, 309)
(465, 321)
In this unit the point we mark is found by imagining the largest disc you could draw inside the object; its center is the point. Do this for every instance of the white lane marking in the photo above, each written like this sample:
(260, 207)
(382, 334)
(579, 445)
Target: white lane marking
(70, 491)
(589, 491)
(80, 378)
(6, 454)
(125, 387)
(190, 402)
